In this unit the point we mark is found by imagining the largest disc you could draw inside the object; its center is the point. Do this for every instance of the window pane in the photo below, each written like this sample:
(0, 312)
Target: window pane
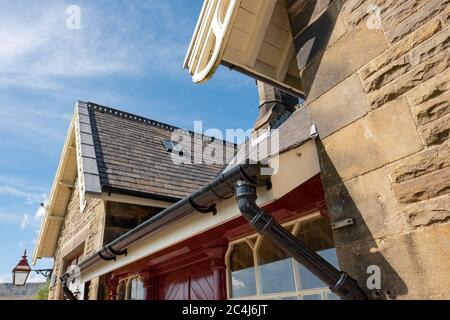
(318, 236)
(332, 296)
(289, 298)
(309, 280)
(137, 289)
(275, 269)
(243, 281)
(312, 297)
(141, 291)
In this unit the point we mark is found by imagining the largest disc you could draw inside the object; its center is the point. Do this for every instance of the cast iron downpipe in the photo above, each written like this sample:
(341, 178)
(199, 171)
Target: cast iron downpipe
(339, 282)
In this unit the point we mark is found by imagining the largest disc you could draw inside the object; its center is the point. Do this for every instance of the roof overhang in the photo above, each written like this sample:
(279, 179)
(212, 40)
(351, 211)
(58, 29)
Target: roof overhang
(59, 197)
(77, 160)
(253, 37)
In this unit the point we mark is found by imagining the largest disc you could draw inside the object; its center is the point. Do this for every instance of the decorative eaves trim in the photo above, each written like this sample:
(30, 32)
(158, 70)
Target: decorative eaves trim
(88, 175)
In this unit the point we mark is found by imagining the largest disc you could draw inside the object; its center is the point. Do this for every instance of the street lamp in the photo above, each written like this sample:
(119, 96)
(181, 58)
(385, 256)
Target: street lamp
(21, 272)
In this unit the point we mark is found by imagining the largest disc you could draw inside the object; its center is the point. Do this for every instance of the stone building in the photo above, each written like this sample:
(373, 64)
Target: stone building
(361, 171)
(374, 76)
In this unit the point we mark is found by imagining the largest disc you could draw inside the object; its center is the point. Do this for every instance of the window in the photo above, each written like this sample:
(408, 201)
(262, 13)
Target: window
(243, 270)
(173, 147)
(258, 269)
(131, 289)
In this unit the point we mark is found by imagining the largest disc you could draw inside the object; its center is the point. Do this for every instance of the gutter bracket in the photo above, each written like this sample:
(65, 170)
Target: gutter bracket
(118, 253)
(103, 257)
(204, 210)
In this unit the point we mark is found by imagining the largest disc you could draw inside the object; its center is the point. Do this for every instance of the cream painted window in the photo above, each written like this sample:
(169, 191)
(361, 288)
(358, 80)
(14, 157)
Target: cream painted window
(257, 269)
(131, 289)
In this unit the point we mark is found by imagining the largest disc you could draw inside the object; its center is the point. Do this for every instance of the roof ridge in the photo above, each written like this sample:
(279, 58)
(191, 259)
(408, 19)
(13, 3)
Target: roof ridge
(158, 124)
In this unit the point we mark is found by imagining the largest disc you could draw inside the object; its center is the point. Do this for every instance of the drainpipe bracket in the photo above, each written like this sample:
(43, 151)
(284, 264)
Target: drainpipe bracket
(342, 224)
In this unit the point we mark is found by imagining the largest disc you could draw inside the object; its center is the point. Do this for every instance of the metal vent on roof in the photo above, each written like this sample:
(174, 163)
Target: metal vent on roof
(172, 146)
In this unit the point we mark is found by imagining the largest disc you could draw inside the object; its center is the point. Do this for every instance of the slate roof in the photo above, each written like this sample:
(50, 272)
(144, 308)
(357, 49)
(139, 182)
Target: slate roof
(293, 132)
(132, 159)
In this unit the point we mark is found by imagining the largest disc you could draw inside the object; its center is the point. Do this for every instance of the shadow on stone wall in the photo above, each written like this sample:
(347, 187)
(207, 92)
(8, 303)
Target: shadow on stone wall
(356, 246)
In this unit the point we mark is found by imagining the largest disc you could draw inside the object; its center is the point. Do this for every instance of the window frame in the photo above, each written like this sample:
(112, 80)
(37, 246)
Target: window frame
(255, 245)
(128, 286)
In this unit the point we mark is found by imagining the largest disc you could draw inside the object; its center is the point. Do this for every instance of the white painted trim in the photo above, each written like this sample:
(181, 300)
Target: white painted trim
(45, 225)
(132, 200)
(202, 59)
(262, 25)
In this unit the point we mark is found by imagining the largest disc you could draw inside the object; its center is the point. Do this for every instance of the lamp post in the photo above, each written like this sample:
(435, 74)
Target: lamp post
(21, 272)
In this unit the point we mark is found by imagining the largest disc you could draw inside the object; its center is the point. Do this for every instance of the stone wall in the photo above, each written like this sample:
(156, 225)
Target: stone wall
(376, 79)
(81, 232)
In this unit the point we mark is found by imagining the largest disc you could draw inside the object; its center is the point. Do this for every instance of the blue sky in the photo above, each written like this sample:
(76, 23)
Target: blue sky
(128, 54)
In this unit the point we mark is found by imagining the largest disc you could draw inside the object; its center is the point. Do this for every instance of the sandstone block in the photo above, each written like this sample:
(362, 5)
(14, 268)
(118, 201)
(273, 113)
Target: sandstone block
(368, 200)
(437, 131)
(398, 11)
(383, 136)
(433, 109)
(415, 77)
(420, 164)
(313, 40)
(437, 44)
(430, 89)
(402, 48)
(427, 213)
(388, 74)
(417, 19)
(425, 187)
(341, 60)
(330, 113)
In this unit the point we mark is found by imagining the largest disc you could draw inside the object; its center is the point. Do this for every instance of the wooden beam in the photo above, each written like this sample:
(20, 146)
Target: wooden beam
(66, 184)
(261, 26)
(285, 59)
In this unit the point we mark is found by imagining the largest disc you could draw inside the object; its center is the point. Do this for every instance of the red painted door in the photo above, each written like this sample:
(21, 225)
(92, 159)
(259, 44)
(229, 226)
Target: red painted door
(195, 282)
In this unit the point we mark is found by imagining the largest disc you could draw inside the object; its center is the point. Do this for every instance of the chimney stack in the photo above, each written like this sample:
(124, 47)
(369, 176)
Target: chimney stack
(274, 105)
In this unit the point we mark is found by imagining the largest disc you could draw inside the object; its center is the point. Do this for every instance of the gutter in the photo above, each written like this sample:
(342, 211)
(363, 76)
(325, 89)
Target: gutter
(203, 201)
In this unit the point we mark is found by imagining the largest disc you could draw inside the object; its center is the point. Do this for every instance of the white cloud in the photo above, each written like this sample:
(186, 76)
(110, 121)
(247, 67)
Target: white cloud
(5, 278)
(40, 213)
(38, 48)
(24, 222)
(30, 198)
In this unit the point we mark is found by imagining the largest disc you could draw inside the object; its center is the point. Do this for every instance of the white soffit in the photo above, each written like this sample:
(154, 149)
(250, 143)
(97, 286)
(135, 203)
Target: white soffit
(77, 159)
(252, 36)
(59, 197)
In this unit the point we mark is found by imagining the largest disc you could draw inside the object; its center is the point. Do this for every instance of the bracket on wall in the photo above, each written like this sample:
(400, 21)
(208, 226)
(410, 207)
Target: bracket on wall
(342, 224)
